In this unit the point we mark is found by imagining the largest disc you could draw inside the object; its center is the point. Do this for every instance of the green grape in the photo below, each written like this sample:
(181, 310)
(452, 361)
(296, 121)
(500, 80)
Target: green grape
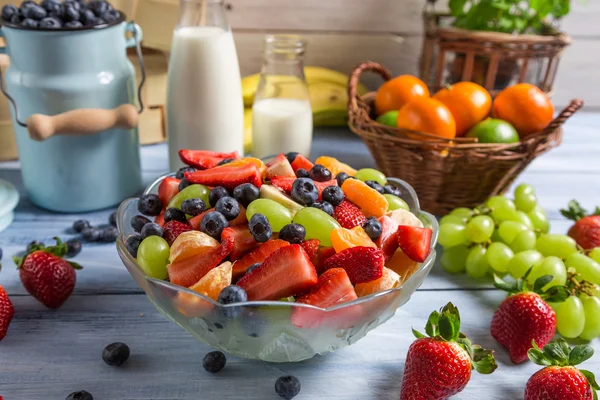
(190, 192)
(318, 224)
(585, 266)
(553, 244)
(463, 212)
(549, 266)
(524, 240)
(508, 230)
(525, 201)
(501, 214)
(498, 256)
(520, 216)
(476, 264)
(453, 219)
(480, 229)
(596, 290)
(370, 174)
(539, 220)
(595, 254)
(591, 309)
(278, 215)
(153, 257)
(496, 236)
(570, 317)
(500, 202)
(524, 188)
(454, 258)
(521, 262)
(395, 202)
(451, 235)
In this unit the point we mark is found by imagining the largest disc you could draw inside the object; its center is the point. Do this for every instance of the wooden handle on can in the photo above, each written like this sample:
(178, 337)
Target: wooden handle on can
(85, 121)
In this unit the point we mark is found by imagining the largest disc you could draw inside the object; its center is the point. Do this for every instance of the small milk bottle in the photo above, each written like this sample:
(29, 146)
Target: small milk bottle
(282, 115)
(205, 109)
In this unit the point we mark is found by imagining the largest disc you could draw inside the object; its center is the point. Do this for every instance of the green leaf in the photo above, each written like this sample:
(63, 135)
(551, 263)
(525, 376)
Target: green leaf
(561, 8)
(555, 353)
(503, 285)
(75, 265)
(418, 334)
(574, 211)
(432, 324)
(590, 378)
(542, 281)
(556, 294)
(483, 360)
(596, 211)
(457, 7)
(564, 345)
(448, 327)
(580, 353)
(466, 344)
(537, 357)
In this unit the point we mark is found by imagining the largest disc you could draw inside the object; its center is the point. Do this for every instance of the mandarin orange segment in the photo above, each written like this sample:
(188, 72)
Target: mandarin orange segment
(343, 238)
(191, 306)
(249, 160)
(190, 244)
(402, 265)
(370, 201)
(216, 280)
(335, 166)
(388, 280)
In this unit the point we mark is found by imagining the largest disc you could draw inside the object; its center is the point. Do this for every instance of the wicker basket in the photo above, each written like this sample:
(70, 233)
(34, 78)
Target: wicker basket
(445, 173)
(491, 59)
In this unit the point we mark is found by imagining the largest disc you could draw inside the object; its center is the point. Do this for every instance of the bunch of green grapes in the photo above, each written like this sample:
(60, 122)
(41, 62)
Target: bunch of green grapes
(510, 237)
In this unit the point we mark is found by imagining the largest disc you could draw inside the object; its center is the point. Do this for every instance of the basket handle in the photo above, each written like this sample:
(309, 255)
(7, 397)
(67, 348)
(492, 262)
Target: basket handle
(564, 115)
(353, 96)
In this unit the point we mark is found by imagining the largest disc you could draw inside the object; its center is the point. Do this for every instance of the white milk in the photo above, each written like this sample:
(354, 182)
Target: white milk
(281, 125)
(205, 110)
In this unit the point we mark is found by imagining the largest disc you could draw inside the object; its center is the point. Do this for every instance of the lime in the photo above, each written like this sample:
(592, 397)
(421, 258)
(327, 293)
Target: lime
(494, 131)
(389, 118)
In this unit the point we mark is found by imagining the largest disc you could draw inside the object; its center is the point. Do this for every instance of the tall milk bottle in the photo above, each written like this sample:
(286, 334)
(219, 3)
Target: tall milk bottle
(205, 109)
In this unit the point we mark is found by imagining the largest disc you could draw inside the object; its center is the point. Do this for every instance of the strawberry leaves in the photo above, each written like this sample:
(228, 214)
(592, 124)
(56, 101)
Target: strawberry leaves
(592, 381)
(559, 353)
(59, 250)
(575, 211)
(555, 294)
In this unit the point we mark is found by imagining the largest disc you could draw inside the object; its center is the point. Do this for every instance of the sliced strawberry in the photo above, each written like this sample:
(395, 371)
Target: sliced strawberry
(173, 229)
(241, 219)
(349, 215)
(302, 162)
(227, 176)
(311, 247)
(388, 241)
(415, 242)
(322, 255)
(280, 166)
(286, 272)
(322, 185)
(204, 159)
(167, 189)
(191, 270)
(334, 287)
(160, 219)
(283, 183)
(257, 255)
(197, 220)
(243, 241)
(363, 264)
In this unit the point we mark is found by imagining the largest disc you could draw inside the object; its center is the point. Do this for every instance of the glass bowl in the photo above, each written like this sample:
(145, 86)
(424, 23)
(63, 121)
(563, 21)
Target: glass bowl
(274, 331)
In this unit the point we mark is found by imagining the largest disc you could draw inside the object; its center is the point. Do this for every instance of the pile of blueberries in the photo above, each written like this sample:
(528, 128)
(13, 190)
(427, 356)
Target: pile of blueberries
(54, 14)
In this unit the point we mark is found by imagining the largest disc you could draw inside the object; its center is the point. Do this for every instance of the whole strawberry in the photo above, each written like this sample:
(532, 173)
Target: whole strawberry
(439, 366)
(46, 276)
(525, 316)
(348, 215)
(560, 380)
(586, 230)
(6, 312)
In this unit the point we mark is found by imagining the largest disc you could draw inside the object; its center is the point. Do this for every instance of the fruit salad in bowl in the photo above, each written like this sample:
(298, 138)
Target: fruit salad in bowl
(276, 260)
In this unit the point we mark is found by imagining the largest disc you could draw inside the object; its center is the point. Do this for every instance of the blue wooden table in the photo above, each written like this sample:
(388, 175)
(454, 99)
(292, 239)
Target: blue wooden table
(49, 354)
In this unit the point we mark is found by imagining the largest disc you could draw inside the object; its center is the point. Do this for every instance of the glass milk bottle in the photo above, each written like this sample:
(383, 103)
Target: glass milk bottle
(205, 109)
(282, 115)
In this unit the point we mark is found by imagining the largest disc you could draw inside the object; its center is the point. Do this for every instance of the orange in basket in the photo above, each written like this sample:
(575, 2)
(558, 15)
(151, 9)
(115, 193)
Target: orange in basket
(397, 92)
(468, 102)
(525, 107)
(429, 116)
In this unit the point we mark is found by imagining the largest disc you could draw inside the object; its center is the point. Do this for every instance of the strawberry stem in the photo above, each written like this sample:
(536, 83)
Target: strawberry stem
(575, 211)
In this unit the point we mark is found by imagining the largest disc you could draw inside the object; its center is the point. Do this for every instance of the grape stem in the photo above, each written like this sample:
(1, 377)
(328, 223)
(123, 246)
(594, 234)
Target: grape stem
(576, 286)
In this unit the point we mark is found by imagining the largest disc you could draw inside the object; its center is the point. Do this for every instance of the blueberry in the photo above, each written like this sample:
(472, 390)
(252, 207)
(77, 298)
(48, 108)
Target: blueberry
(33, 245)
(216, 193)
(180, 174)
(138, 222)
(91, 234)
(175, 214)
(183, 184)
(109, 234)
(214, 361)
(341, 177)
(99, 7)
(375, 185)
(260, 228)
(8, 11)
(72, 3)
(319, 173)
(87, 16)
(323, 206)
(132, 244)
(151, 229)
(390, 189)
(80, 225)
(253, 267)
(301, 173)
(304, 191)
(71, 13)
(112, 219)
(115, 354)
(232, 294)
(73, 24)
(50, 22)
(73, 247)
(35, 12)
(291, 156)
(111, 16)
(293, 233)
(229, 207)
(246, 193)
(16, 19)
(52, 6)
(81, 395)
(373, 228)
(225, 161)
(287, 387)
(150, 204)
(193, 207)
(333, 195)
(213, 224)
(27, 4)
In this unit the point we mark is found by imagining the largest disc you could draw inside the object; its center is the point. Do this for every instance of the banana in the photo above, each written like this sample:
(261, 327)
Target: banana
(247, 130)
(271, 192)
